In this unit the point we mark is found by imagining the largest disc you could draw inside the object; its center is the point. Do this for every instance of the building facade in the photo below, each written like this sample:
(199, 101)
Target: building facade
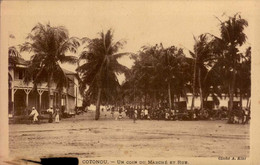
(23, 96)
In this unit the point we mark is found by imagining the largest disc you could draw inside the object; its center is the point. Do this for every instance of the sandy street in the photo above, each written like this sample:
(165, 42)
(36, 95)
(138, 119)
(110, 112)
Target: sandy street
(84, 137)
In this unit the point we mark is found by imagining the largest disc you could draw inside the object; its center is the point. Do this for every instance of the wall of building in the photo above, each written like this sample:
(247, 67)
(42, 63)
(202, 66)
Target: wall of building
(222, 101)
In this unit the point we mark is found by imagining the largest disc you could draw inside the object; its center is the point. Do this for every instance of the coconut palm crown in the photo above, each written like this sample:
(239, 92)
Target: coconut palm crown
(49, 47)
(100, 69)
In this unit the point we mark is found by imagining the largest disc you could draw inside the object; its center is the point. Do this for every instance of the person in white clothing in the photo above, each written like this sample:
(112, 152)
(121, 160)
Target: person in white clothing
(57, 117)
(35, 114)
(135, 115)
(146, 113)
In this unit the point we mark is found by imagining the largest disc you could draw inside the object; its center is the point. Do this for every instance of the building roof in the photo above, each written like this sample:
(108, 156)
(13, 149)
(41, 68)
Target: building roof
(22, 61)
(68, 72)
(18, 61)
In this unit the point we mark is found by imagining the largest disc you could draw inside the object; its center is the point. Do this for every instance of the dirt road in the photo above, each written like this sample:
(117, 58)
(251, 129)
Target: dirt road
(84, 137)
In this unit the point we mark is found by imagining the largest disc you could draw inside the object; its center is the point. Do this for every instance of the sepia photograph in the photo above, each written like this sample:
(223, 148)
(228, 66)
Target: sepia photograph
(128, 82)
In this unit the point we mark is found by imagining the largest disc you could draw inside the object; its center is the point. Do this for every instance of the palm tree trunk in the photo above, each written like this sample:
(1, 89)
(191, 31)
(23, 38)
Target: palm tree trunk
(247, 102)
(173, 101)
(154, 99)
(98, 104)
(145, 99)
(186, 97)
(59, 99)
(241, 100)
(49, 90)
(201, 92)
(134, 95)
(249, 105)
(169, 95)
(194, 81)
(231, 95)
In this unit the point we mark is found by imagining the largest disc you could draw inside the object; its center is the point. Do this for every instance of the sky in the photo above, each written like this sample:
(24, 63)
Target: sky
(139, 23)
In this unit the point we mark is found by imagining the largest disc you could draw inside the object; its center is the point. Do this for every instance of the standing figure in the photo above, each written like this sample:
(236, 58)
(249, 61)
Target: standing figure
(135, 115)
(50, 111)
(247, 115)
(131, 112)
(142, 114)
(57, 117)
(167, 114)
(146, 113)
(112, 111)
(139, 112)
(35, 114)
(120, 113)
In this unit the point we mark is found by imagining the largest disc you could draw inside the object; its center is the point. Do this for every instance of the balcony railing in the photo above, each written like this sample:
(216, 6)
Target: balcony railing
(21, 84)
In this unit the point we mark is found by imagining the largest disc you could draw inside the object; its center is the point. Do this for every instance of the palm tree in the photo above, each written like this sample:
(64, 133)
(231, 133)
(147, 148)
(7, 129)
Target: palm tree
(204, 58)
(232, 37)
(13, 55)
(183, 81)
(100, 67)
(49, 46)
(158, 73)
(170, 66)
(145, 77)
(244, 76)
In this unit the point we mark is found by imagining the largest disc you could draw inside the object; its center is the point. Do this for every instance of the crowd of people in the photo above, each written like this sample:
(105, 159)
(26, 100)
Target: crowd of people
(160, 113)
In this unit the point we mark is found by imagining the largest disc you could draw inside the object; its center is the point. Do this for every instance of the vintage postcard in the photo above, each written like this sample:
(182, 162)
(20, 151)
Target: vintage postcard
(129, 82)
